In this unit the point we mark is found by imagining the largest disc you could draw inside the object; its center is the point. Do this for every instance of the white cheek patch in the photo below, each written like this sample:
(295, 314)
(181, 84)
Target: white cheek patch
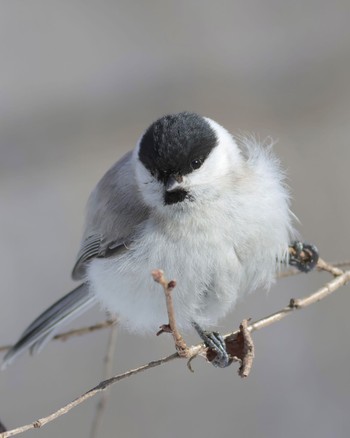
(222, 160)
(227, 148)
(143, 176)
(152, 191)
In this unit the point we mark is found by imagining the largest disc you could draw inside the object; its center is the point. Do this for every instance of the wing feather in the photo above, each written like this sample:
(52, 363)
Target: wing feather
(114, 211)
(46, 325)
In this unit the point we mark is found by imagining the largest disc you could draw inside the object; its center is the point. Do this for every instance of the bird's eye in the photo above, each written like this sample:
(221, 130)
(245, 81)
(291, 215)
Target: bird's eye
(196, 164)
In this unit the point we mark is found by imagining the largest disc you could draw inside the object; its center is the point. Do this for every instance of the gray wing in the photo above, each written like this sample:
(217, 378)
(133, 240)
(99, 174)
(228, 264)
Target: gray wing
(46, 325)
(115, 208)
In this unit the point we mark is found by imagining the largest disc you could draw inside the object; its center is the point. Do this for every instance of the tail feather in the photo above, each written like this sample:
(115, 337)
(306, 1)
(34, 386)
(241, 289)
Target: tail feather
(40, 331)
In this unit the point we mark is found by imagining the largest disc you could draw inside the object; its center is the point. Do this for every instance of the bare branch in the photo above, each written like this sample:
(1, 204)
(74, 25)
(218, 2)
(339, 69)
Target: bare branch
(342, 264)
(231, 341)
(320, 267)
(180, 344)
(75, 332)
(106, 324)
(86, 396)
(327, 267)
(108, 368)
(301, 303)
(84, 330)
(5, 347)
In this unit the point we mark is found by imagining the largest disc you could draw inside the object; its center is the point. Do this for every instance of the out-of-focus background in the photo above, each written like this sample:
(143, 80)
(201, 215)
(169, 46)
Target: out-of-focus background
(79, 82)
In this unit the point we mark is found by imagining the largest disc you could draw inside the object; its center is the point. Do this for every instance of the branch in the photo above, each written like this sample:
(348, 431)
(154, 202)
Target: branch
(84, 330)
(106, 324)
(86, 396)
(301, 303)
(180, 344)
(320, 267)
(75, 332)
(108, 368)
(231, 340)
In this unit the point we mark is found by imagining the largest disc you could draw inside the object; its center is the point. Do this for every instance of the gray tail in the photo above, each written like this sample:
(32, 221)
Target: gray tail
(35, 337)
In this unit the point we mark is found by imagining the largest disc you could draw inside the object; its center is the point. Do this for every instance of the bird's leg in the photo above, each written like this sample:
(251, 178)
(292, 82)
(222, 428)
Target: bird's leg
(215, 342)
(303, 256)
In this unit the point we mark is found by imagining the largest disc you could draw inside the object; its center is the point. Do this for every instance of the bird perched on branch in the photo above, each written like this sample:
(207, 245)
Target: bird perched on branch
(211, 211)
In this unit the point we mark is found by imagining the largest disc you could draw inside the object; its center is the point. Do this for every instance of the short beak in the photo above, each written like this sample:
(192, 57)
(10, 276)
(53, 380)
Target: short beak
(173, 183)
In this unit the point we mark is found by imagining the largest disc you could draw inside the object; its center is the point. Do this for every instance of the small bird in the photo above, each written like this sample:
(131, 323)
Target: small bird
(210, 210)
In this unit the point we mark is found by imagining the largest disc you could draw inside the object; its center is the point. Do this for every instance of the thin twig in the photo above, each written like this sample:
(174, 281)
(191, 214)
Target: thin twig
(108, 369)
(342, 264)
(84, 330)
(294, 271)
(327, 267)
(106, 324)
(168, 287)
(301, 303)
(75, 332)
(87, 395)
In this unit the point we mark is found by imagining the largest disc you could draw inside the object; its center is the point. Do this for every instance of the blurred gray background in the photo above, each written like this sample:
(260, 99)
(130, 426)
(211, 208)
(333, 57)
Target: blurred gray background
(79, 82)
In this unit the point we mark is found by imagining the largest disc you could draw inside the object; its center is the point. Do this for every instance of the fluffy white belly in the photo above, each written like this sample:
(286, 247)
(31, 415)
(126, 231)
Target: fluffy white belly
(204, 264)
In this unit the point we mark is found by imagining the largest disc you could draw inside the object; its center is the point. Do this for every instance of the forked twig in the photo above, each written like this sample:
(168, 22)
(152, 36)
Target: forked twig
(168, 287)
(106, 324)
(231, 342)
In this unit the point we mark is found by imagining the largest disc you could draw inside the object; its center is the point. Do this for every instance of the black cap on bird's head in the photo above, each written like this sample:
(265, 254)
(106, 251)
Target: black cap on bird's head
(176, 144)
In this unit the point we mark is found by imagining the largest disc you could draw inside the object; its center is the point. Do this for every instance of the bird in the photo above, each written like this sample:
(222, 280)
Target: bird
(210, 209)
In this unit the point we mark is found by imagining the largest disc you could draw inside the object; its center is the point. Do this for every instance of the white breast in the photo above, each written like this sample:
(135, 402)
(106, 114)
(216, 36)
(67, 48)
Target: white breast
(230, 243)
(199, 255)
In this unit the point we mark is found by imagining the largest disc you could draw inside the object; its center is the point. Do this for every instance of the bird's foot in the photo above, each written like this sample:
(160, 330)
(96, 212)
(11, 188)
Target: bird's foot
(303, 256)
(215, 342)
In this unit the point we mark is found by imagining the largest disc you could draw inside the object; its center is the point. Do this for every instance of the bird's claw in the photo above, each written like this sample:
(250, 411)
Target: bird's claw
(215, 342)
(303, 256)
